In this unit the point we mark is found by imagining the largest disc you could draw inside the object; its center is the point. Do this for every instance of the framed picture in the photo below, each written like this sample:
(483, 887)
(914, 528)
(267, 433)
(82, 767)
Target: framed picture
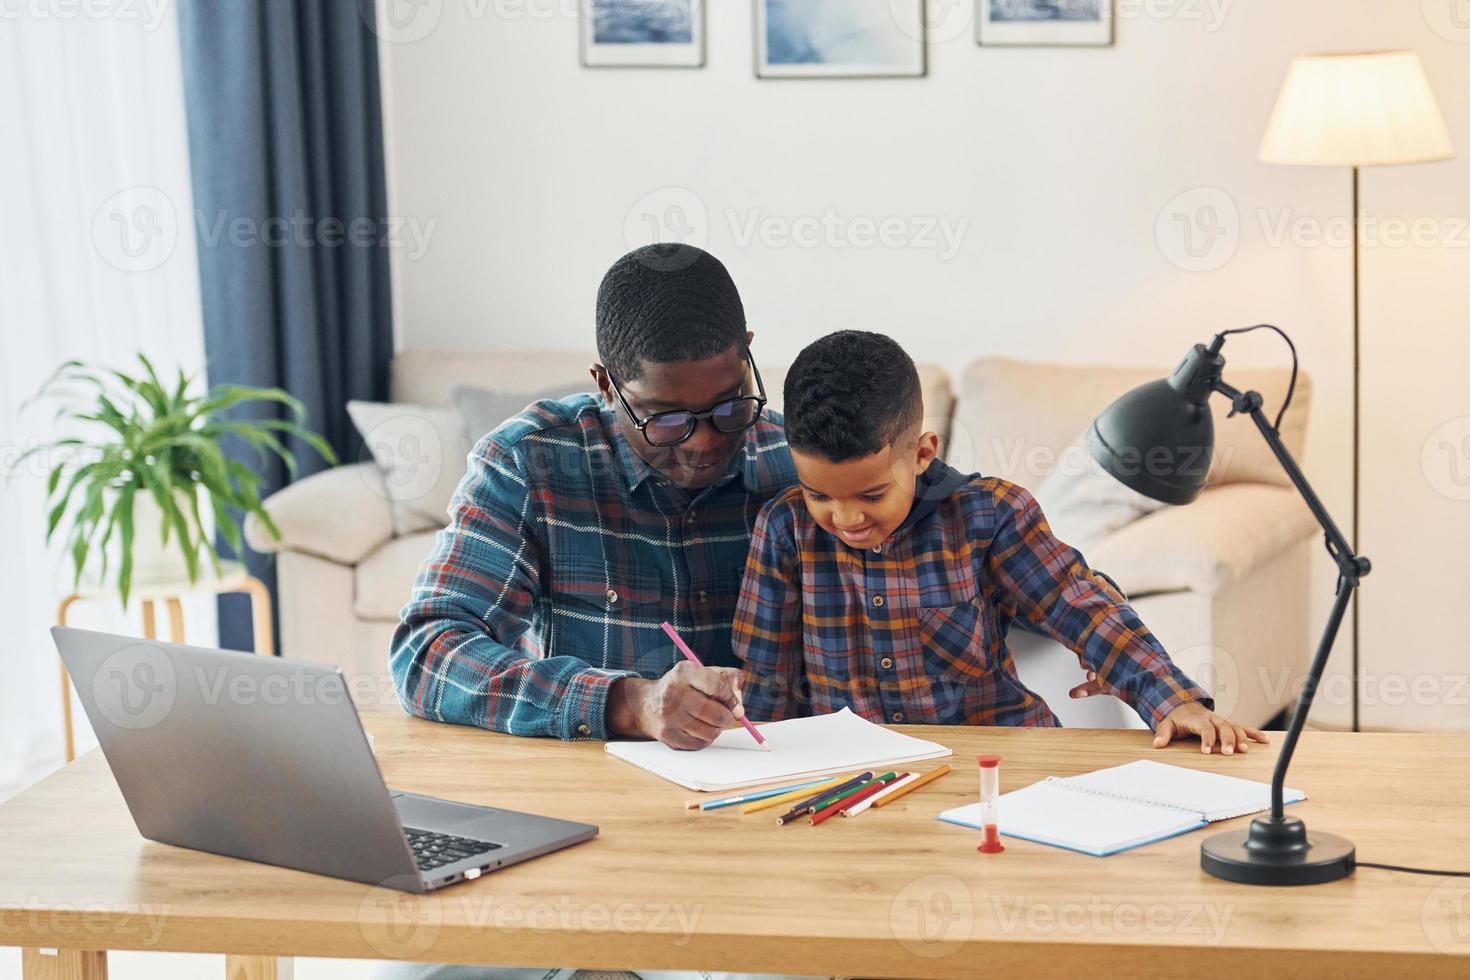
(1044, 22)
(643, 33)
(839, 38)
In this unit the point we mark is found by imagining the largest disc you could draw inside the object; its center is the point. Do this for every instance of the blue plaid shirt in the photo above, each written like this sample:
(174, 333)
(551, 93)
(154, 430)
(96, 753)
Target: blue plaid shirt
(564, 553)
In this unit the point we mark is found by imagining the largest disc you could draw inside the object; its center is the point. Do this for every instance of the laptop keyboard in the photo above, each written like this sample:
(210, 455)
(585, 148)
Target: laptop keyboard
(432, 850)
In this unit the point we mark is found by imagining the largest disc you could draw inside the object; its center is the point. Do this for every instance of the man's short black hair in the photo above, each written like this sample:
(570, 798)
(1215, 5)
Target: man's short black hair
(850, 394)
(664, 303)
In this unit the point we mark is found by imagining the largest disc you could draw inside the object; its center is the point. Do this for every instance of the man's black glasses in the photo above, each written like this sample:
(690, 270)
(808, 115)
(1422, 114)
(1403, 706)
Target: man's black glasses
(664, 429)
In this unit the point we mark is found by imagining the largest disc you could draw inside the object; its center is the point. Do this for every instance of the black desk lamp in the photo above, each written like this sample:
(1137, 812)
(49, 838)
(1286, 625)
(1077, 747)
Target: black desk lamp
(1158, 440)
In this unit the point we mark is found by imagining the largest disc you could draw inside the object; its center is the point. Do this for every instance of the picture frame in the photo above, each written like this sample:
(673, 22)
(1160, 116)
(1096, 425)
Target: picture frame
(642, 33)
(840, 39)
(1044, 23)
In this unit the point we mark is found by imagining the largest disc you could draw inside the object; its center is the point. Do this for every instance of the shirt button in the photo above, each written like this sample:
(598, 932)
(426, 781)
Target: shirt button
(877, 549)
(877, 600)
(612, 596)
(886, 663)
(703, 596)
(689, 517)
(898, 716)
(583, 730)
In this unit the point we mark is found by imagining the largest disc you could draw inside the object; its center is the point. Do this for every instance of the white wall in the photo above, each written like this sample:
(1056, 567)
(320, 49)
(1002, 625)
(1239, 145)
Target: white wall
(1068, 166)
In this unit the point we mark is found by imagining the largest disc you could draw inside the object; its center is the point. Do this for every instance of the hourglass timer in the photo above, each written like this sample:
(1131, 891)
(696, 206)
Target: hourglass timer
(990, 804)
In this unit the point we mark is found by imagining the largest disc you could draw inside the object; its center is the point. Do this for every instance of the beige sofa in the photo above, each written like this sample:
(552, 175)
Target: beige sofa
(1221, 582)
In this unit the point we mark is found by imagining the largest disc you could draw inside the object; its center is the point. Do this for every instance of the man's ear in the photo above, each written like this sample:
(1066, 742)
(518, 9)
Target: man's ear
(749, 336)
(601, 378)
(927, 451)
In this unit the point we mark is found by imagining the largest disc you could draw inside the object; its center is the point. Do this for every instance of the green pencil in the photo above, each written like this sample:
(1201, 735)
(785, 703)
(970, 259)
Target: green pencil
(827, 801)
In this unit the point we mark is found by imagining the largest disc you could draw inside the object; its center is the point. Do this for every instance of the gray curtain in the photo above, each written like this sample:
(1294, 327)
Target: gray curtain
(286, 152)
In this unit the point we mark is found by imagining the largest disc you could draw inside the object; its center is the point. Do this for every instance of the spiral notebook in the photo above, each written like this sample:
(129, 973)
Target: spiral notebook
(1112, 810)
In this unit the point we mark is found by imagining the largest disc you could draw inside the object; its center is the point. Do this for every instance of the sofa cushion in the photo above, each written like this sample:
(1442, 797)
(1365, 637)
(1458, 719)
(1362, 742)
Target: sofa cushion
(1013, 419)
(385, 578)
(421, 451)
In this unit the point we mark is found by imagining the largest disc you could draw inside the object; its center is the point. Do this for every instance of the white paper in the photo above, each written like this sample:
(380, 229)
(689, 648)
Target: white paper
(799, 747)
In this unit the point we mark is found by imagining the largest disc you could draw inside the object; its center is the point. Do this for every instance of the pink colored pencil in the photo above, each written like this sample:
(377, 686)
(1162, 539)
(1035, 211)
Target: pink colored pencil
(684, 648)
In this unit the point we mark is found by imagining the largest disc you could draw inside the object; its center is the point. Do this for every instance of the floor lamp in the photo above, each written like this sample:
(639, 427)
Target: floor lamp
(1356, 110)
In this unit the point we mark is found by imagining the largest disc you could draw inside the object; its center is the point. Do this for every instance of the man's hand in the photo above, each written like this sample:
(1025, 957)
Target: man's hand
(687, 708)
(1195, 719)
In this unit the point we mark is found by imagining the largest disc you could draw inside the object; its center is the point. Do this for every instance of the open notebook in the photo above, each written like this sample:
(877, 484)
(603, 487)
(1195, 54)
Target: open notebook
(799, 747)
(1112, 810)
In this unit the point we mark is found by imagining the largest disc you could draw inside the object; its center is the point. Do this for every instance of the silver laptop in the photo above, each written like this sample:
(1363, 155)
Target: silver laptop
(265, 759)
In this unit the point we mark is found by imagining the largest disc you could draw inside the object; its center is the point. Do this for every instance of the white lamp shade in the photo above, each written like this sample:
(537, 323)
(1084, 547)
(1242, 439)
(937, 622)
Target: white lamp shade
(1356, 110)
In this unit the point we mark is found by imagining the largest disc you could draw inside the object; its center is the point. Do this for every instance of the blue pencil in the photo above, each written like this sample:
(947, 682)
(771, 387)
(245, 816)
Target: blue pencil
(751, 797)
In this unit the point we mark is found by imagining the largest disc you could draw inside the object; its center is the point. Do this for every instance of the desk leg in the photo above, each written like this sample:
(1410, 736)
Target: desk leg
(257, 968)
(63, 964)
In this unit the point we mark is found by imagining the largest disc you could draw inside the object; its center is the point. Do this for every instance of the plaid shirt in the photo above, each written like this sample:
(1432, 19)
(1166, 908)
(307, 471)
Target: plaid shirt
(564, 554)
(915, 629)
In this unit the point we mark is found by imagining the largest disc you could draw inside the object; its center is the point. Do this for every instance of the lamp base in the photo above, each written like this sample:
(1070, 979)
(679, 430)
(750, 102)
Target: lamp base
(1277, 852)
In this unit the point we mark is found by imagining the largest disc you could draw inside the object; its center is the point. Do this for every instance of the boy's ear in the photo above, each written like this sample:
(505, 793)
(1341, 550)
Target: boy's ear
(927, 451)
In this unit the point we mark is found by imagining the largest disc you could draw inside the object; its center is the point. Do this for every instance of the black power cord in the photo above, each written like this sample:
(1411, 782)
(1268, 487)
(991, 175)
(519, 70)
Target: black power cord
(1291, 387)
(1414, 871)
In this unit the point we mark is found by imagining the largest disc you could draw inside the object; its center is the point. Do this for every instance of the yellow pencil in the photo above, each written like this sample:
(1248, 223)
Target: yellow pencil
(928, 777)
(799, 794)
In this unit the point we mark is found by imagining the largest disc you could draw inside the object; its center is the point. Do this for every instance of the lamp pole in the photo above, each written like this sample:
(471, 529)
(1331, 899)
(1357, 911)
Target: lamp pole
(1357, 413)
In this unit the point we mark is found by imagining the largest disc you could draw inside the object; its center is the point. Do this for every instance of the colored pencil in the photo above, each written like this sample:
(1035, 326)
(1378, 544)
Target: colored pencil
(836, 800)
(806, 805)
(756, 794)
(856, 797)
(923, 780)
(904, 778)
(789, 797)
(684, 649)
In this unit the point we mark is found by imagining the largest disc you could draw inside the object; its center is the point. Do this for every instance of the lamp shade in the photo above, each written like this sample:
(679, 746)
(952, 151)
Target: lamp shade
(1159, 438)
(1356, 110)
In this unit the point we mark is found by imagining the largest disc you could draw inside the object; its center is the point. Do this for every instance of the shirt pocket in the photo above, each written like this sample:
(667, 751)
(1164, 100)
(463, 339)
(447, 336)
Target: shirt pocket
(607, 613)
(954, 632)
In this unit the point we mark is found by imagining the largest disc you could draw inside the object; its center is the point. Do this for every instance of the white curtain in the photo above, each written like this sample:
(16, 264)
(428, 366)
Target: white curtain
(97, 261)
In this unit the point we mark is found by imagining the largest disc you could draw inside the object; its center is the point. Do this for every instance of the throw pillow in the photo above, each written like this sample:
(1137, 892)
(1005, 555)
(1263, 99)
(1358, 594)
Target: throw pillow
(421, 452)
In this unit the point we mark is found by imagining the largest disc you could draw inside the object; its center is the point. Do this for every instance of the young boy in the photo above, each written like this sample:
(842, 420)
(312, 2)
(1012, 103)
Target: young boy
(885, 581)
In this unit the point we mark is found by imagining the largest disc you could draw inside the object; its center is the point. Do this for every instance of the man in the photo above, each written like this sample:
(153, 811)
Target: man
(585, 523)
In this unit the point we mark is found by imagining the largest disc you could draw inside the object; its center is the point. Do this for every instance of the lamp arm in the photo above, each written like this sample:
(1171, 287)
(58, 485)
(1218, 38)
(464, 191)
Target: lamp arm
(1351, 568)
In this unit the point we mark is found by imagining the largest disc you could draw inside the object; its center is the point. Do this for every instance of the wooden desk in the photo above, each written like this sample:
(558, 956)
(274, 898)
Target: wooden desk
(893, 893)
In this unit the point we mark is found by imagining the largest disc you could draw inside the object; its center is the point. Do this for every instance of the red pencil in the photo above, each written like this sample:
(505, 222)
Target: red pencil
(878, 785)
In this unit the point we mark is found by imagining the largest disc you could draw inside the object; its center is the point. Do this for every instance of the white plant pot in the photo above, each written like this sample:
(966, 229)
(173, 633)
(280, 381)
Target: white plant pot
(153, 561)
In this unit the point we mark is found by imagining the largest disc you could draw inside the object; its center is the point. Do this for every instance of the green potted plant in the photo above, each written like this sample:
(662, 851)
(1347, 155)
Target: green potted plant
(155, 469)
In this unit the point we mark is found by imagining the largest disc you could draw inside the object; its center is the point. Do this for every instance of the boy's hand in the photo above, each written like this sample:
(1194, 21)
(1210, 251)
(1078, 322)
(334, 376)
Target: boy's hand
(1195, 719)
(1088, 688)
(686, 708)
